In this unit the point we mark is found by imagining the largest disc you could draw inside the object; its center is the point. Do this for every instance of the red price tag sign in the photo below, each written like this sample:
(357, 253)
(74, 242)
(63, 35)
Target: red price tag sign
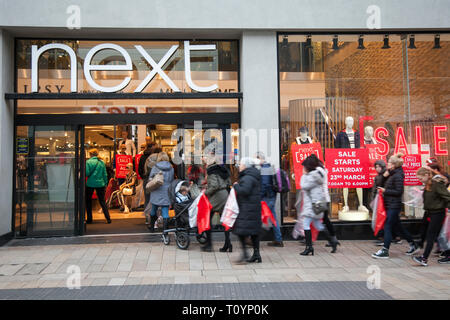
(121, 165)
(411, 163)
(299, 153)
(373, 157)
(137, 158)
(348, 168)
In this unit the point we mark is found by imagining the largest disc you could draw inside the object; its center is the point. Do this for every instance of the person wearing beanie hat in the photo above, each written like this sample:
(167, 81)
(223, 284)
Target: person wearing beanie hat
(393, 194)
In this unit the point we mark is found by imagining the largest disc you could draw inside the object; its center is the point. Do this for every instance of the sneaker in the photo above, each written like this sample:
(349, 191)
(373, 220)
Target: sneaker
(383, 253)
(379, 243)
(445, 260)
(276, 244)
(442, 255)
(421, 260)
(438, 253)
(397, 241)
(412, 250)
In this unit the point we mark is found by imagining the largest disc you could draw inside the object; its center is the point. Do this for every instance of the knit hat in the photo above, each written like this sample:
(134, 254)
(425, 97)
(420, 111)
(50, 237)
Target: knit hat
(380, 163)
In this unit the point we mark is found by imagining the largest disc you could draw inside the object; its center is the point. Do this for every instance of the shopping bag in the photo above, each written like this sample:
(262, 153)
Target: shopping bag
(266, 214)
(314, 232)
(203, 214)
(193, 210)
(374, 205)
(444, 235)
(380, 213)
(230, 211)
(298, 228)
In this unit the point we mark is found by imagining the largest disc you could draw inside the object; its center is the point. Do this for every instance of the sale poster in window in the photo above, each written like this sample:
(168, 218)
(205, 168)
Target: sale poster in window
(121, 165)
(411, 163)
(348, 168)
(299, 153)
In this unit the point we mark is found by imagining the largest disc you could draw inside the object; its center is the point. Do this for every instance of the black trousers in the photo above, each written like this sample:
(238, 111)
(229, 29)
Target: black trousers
(255, 242)
(101, 198)
(434, 227)
(328, 224)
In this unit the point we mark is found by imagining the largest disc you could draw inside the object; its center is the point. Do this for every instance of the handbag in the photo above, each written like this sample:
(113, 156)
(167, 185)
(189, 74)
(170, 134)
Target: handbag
(154, 183)
(127, 191)
(319, 207)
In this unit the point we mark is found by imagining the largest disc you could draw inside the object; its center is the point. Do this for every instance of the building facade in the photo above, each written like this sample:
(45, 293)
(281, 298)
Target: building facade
(250, 74)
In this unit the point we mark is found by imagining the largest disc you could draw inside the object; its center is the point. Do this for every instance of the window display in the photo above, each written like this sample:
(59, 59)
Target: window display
(367, 102)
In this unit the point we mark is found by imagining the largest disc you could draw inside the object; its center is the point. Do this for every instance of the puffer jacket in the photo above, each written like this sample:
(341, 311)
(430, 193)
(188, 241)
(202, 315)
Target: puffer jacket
(267, 172)
(394, 188)
(218, 184)
(438, 198)
(96, 173)
(248, 221)
(312, 184)
(160, 196)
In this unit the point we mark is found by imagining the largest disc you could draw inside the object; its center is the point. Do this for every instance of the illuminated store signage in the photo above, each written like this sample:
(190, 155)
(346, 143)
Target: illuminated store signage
(88, 66)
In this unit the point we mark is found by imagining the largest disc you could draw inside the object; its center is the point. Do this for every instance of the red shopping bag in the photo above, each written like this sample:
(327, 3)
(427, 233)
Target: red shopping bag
(267, 214)
(314, 232)
(203, 214)
(380, 214)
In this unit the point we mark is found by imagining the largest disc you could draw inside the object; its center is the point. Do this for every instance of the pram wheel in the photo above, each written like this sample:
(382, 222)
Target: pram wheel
(183, 240)
(201, 238)
(165, 238)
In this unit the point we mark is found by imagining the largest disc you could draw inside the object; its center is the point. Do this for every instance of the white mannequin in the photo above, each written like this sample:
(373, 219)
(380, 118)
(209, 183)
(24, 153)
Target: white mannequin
(304, 137)
(368, 136)
(349, 129)
(131, 148)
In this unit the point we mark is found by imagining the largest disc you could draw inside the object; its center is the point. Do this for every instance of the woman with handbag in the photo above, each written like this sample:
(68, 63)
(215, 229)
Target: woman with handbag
(127, 189)
(217, 188)
(163, 173)
(314, 201)
(97, 179)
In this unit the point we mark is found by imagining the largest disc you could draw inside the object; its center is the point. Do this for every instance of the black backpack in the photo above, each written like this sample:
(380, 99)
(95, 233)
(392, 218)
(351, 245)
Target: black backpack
(281, 182)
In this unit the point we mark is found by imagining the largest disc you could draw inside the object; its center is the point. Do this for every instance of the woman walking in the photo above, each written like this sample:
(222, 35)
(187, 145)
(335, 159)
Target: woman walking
(436, 199)
(312, 185)
(160, 196)
(248, 195)
(393, 194)
(97, 179)
(217, 188)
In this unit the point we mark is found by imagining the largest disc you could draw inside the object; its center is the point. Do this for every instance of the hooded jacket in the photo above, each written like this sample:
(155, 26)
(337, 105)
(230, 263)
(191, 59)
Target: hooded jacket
(438, 198)
(248, 221)
(218, 183)
(141, 166)
(96, 170)
(160, 196)
(394, 188)
(312, 184)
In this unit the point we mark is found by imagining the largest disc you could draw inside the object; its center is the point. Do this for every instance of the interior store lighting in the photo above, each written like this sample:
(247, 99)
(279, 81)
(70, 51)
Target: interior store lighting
(308, 41)
(284, 43)
(411, 42)
(335, 43)
(437, 40)
(361, 42)
(386, 42)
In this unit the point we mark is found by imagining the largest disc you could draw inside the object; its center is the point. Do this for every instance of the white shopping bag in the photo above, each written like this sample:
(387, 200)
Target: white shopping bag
(193, 209)
(230, 211)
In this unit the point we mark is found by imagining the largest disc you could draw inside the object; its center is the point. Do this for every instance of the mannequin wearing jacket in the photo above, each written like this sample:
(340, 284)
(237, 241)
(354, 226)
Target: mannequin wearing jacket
(350, 139)
(131, 148)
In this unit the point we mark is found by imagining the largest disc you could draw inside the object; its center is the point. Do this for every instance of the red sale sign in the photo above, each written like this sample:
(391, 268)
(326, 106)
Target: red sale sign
(373, 157)
(137, 158)
(411, 163)
(348, 168)
(299, 153)
(121, 165)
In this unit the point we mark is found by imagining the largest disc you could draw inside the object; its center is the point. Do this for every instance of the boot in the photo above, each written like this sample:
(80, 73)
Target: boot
(208, 245)
(308, 240)
(244, 256)
(256, 256)
(227, 246)
(151, 226)
(165, 225)
(332, 241)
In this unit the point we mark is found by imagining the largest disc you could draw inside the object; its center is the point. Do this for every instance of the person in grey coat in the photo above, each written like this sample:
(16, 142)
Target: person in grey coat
(160, 196)
(312, 186)
(217, 189)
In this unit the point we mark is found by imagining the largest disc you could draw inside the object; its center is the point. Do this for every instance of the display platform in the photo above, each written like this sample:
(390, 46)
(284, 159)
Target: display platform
(353, 215)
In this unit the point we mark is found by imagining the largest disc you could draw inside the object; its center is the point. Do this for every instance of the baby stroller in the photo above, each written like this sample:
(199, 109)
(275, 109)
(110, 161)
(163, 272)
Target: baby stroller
(180, 222)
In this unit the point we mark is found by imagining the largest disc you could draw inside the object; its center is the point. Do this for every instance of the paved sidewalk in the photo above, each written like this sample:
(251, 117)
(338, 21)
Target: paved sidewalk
(140, 264)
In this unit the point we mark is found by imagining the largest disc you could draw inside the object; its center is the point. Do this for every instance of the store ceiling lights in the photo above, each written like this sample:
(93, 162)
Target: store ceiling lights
(411, 42)
(335, 43)
(437, 40)
(284, 43)
(308, 41)
(361, 43)
(386, 42)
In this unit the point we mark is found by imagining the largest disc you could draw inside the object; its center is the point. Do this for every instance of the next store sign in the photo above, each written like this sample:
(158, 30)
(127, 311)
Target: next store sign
(88, 67)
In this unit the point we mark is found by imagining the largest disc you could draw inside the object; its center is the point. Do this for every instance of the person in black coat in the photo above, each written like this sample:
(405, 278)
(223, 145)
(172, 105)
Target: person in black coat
(393, 194)
(248, 221)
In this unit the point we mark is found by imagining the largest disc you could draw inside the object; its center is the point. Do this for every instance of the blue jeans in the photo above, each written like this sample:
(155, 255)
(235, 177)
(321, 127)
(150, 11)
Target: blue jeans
(393, 223)
(276, 229)
(164, 210)
(317, 224)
